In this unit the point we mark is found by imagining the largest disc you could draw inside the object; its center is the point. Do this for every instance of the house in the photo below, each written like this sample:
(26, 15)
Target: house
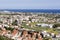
(8, 34)
(5, 25)
(45, 33)
(19, 38)
(14, 34)
(24, 33)
(0, 26)
(58, 35)
(4, 32)
(40, 38)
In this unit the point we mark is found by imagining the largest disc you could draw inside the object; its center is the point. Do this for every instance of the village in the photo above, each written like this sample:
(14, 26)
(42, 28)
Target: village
(29, 26)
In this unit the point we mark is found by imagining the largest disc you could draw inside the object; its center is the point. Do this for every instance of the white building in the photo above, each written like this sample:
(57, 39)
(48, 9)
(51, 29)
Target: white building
(45, 25)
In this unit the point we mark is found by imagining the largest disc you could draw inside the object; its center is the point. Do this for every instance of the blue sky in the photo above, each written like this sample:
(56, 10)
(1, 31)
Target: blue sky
(29, 4)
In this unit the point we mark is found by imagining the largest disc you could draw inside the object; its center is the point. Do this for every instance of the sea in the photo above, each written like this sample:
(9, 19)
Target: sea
(33, 10)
